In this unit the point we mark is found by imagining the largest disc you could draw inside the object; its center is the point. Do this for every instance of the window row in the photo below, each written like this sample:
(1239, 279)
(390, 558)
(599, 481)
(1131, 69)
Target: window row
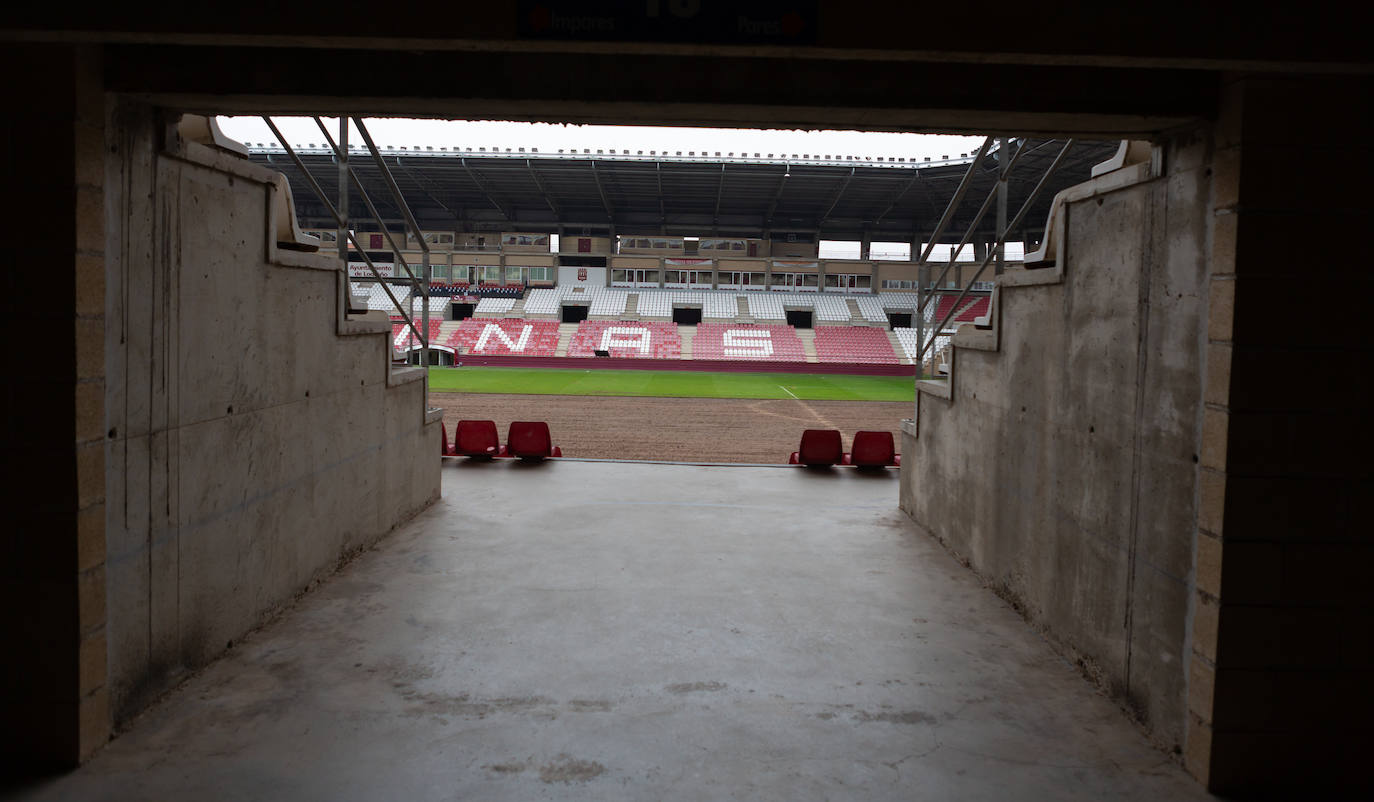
(490, 274)
(655, 243)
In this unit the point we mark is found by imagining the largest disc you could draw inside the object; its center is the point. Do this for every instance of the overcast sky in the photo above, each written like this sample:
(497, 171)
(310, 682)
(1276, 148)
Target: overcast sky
(549, 137)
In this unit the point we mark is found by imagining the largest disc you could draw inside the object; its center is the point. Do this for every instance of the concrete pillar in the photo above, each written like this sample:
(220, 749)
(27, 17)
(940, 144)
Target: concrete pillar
(55, 704)
(1282, 656)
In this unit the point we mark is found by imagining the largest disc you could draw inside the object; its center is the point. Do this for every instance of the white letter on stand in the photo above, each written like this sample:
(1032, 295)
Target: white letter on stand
(625, 337)
(514, 345)
(748, 343)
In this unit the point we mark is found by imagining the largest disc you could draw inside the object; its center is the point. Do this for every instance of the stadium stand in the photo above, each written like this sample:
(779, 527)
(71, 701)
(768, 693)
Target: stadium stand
(543, 301)
(437, 305)
(655, 303)
(505, 337)
(377, 299)
(530, 440)
(401, 334)
(690, 298)
(871, 308)
(766, 306)
(740, 341)
(855, 344)
(488, 307)
(636, 340)
(974, 310)
(910, 343)
(720, 305)
(830, 308)
(818, 447)
(512, 291)
(898, 301)
(608, 302)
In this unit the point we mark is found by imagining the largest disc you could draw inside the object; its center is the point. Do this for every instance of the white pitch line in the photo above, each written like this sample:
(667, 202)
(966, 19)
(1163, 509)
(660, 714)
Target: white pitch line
(789, 392)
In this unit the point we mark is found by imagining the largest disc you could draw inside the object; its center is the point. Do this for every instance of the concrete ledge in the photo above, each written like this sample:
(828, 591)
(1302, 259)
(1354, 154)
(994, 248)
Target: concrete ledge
(373, 322)
(1024, 277)
(433, 414)
(909, 427)
(970, 336)
(206, 156)
(306, 260)
(399, 376)
(940, 388)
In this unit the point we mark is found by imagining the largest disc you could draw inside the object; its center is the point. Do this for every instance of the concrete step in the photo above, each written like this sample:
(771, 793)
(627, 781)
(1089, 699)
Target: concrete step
(632, 304)
(897, 348)
(808, 341)
(446, 330)
(565, 335)
(856, 316)
(742, 304)
(686, 333)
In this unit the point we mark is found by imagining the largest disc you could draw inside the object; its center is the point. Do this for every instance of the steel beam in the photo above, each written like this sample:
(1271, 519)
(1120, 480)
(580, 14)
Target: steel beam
(605, 201)
(839, 193)
(485, 190)
(542, 191)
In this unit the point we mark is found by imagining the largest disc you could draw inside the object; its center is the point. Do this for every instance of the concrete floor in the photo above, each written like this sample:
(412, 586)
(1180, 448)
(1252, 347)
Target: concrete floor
(616, 631)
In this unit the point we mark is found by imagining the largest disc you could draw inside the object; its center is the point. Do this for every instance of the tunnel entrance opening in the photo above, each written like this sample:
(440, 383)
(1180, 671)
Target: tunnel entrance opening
(687, 316)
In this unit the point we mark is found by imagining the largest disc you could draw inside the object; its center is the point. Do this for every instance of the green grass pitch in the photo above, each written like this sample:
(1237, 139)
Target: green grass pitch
(671, 384)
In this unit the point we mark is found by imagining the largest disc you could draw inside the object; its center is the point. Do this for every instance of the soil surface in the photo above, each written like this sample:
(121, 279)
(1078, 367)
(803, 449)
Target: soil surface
(675, 429)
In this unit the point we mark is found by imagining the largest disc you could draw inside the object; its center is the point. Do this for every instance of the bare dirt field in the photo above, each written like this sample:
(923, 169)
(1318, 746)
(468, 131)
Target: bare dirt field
(674, 429)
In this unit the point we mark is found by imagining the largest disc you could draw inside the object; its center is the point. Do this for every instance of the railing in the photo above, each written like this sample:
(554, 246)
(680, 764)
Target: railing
(998, 194)
(341, 152)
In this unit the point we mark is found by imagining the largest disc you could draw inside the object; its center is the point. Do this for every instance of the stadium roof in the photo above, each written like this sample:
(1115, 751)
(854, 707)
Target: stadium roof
(836, 197)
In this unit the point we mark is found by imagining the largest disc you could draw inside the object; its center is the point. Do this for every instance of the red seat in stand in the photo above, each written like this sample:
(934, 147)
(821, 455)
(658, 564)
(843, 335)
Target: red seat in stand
(445, 450)
(530, 440)
(477, 438)
(819, 447)
(873, 450)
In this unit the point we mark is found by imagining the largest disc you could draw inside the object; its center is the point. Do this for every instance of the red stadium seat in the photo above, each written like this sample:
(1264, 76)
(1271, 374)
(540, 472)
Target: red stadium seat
(819, 447)
(445, 450)
(476, 438)
(530, 440)
(873, 450)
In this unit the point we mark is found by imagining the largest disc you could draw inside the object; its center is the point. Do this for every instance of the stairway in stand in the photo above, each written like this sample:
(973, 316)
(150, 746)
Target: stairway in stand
(856, 315)
(565, 335)
(898, 349)
(446, 330)
(686, 333)
(632, 305)
(808, 340)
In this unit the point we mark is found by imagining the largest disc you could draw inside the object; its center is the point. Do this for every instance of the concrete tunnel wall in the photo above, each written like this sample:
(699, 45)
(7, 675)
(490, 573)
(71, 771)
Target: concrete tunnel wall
(256, 437)
(1063, 465)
